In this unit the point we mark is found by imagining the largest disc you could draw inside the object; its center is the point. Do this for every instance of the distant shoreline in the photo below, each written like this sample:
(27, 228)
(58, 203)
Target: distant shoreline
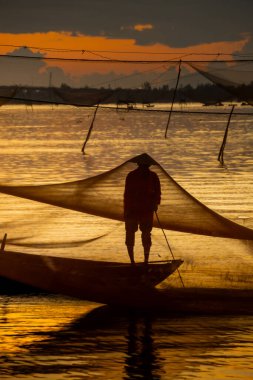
(208, 95)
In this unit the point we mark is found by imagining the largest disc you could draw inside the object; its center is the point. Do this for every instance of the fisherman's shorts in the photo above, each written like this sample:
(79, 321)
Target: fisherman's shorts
(145, 224)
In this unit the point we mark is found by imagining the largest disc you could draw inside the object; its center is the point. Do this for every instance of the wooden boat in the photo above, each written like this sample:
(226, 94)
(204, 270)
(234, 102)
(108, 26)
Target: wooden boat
(118, 284)
(97, 281)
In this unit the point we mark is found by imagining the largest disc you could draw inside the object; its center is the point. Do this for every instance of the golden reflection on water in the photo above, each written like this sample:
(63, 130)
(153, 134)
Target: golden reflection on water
(26, 319)
(57, 338)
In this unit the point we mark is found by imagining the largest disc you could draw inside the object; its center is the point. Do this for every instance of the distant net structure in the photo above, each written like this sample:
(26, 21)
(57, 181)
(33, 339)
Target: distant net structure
(89, 81)
(94, 80)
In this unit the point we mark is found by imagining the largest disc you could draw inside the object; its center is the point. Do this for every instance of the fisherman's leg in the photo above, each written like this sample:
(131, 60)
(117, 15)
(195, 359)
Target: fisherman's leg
(146, 228)
(131, 227)
(146, 252)
(130, 251)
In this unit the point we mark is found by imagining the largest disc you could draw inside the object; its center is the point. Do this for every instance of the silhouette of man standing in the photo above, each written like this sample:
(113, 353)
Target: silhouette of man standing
(141, 199)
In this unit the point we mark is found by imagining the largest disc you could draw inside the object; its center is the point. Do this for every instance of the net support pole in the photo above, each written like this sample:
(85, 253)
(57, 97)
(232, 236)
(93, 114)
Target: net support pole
(173, 99)
(221, 152)
(168, 244)
(3, 243)
(90, 129)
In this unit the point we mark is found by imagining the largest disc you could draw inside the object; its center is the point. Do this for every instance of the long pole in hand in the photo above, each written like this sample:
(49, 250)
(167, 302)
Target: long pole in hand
(168, 244)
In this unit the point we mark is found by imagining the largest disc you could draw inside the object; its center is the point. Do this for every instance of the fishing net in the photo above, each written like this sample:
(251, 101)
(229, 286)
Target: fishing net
(235, 77)
(102, 196)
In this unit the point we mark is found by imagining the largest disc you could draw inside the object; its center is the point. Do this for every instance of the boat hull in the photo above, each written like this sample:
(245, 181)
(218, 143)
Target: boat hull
(118, 285)
(97, 281)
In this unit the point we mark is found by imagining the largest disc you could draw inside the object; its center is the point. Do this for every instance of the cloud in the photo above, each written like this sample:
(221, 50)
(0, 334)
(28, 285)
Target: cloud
(174, 23)
(138, 27)
(141, 27)
(29, 72)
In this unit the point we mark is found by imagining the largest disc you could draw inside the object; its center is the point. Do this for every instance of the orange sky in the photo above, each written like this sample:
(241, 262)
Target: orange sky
(103, 47)
(81, 42)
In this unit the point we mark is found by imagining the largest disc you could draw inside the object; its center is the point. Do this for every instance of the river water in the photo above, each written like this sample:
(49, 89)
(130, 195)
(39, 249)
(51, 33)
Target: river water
(53, 337)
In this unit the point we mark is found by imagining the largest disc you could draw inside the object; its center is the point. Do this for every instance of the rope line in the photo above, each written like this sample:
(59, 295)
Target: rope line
(34, 101)
(82, 51)
(147, 61)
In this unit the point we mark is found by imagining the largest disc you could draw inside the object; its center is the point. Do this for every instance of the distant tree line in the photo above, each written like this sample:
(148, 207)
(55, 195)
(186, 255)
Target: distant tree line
(204, 93)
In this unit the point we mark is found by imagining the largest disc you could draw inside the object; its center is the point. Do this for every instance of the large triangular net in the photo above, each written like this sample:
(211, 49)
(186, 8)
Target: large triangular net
(102, 195)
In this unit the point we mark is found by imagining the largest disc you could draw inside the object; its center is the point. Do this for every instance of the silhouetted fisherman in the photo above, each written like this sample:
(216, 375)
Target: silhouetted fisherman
(141, 199)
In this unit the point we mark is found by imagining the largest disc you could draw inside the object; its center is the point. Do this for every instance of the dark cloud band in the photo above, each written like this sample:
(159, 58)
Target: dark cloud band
(175, 23)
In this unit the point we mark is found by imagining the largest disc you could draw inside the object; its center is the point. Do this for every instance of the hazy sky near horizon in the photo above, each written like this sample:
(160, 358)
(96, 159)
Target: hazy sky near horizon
(183, 27)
